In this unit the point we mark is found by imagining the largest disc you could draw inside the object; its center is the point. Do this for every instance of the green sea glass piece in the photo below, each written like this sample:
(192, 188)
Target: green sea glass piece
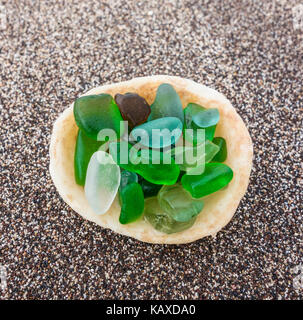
(154, 166)
(188, 157)
(96, 112)
(192, 111)
(215, 177)
(158, 133)
(166, 104)
(161, 220)
(178, 203)
(206, 118)
(127, 177)
(149, 189)
(85, 147)
(222, 154)
(158, 167)
(132, 203)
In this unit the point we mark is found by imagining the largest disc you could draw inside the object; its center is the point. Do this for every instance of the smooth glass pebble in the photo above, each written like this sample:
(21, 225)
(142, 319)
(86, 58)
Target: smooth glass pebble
(149, 189)
(85, 147)
(127, 177)
(215, 177)
(159, 133)
(161, 170)
(188, 157)
(206, 118)
(222, 154)
(192, 110)
(133, 108)
(154, 166)
(102, 181)
(96, 112)
(191, 134)
(195, 139)
(161, 220)
(132, 203)
(178, 203)
(167, 104)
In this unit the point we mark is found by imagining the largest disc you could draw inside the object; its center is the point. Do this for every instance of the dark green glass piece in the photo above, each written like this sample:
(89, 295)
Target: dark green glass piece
(149, 189)
(85, 147)
(132, 203)
(96, 112)
(127, 177)
(215, 177)
(222, 154)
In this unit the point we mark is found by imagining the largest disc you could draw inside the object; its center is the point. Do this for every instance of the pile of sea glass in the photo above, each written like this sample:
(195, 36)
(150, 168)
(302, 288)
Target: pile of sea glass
(139, 161)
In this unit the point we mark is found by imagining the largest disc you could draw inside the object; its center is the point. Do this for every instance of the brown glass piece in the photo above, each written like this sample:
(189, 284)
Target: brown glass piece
(133, 108)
